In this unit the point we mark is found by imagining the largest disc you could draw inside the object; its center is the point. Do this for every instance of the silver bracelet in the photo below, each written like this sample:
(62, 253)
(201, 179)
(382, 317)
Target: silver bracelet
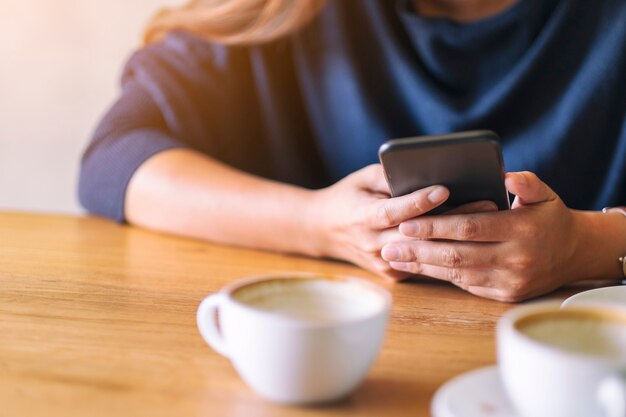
(621, 259)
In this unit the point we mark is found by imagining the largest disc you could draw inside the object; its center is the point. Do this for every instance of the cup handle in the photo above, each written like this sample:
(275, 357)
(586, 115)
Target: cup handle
(612, 396)
(207, 324)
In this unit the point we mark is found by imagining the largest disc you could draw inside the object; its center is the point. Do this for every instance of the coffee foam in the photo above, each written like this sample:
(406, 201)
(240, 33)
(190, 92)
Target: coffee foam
(317, 300)
(579, 332)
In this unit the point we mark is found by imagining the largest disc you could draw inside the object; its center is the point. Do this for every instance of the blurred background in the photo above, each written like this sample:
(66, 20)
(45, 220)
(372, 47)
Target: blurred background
(59, 71)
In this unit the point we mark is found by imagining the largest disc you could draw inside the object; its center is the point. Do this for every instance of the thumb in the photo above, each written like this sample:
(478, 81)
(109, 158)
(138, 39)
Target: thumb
(371, 178)
(528, 188)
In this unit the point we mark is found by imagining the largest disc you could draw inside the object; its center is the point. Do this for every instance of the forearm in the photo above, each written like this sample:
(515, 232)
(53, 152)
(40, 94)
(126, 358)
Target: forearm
(602, 243)
(186, 193)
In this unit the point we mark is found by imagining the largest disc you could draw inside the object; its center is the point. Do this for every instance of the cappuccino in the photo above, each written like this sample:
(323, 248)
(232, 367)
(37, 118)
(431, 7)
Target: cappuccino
(298, 338)
(315, 299)
(579, 331)
(564, 362)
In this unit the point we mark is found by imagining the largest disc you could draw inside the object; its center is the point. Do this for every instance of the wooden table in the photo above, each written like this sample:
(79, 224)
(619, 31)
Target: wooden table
(98, 319)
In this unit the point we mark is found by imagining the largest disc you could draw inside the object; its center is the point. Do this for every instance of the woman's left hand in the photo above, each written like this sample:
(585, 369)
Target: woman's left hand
(506, 255)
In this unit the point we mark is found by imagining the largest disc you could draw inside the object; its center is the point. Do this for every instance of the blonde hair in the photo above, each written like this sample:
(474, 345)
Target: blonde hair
(234, 22)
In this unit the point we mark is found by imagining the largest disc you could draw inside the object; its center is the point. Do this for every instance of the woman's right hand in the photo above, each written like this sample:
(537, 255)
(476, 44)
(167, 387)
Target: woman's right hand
(354, 218)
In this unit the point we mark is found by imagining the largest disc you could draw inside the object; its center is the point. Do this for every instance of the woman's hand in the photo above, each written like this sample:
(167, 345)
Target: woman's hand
(507, 255)
(356, 217)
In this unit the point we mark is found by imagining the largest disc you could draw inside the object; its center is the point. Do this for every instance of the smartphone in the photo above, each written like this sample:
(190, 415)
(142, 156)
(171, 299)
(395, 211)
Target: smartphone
(469, 164)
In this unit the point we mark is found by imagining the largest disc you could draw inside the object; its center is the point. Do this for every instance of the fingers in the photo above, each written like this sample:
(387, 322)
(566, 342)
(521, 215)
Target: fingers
(445, 254)
(393, 275)
(464, 265)
(475, 207)
(390, 236)
(480, 227)
(372, 178)
(493, 294)
(528, 188)
(485, 282)
(507, 294)
(463, 278)
(387, 213)
(373, 263)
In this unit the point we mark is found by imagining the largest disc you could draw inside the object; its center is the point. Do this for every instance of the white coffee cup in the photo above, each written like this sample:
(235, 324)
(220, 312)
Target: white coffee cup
(568, 362)
(298, 338)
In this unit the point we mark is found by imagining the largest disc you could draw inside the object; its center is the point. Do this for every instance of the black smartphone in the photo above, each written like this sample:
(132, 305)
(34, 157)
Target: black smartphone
(469, 164)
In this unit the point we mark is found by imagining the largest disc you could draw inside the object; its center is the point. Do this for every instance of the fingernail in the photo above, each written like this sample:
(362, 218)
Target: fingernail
(438, 195)
(409, 228)
(391, 253)
(487, 206)
(401, 266)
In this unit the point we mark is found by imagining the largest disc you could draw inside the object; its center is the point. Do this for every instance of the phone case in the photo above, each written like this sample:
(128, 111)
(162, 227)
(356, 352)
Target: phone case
(469, 164)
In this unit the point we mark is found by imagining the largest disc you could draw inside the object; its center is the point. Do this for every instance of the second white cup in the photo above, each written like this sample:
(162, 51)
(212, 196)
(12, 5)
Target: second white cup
(568, 362)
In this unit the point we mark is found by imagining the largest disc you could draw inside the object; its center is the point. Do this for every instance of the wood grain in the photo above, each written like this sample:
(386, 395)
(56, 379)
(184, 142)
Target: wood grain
(98, 319)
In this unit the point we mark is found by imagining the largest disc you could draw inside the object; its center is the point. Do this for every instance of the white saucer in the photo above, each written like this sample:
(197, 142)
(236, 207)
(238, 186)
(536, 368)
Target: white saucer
(477, 393)
(606, 295)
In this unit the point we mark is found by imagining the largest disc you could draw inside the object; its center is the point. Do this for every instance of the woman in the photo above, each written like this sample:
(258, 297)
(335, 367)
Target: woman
(256, 123)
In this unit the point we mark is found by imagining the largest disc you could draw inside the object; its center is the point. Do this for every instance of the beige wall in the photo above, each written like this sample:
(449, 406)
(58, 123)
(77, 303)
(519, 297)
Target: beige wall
(60, 62)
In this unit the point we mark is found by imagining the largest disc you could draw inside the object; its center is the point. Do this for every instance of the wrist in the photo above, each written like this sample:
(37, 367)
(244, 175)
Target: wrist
(601, 241)
(285, 220)
(314, 224)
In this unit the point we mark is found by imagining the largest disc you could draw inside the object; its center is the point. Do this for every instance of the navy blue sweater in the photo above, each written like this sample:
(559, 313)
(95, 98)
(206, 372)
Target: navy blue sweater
(548, 75)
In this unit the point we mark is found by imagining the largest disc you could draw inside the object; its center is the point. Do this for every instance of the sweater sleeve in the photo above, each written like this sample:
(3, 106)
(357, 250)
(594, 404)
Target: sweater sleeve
(131, 132)
(238, 105)
(180, 92)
